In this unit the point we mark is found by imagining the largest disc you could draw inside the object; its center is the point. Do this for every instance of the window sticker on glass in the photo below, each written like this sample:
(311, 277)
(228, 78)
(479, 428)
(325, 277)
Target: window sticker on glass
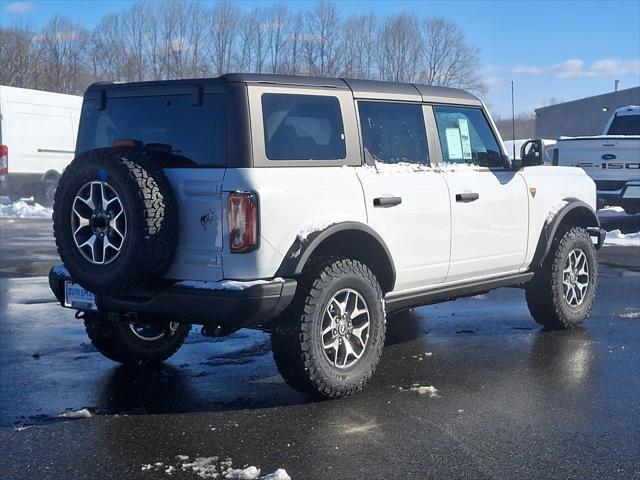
(465, 139)
(454, 144)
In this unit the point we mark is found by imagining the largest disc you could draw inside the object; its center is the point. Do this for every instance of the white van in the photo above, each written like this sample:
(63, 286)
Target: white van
(37, 140)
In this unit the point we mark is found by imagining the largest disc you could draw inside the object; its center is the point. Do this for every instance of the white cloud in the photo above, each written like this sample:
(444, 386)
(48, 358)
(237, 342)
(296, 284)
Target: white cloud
(575, 67)
(494, 81)
(20, 7)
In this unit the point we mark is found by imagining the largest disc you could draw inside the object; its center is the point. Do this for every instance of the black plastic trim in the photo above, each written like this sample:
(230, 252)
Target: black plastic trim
(451, 292)
(230, 309)
(549, 229)
(300, 251)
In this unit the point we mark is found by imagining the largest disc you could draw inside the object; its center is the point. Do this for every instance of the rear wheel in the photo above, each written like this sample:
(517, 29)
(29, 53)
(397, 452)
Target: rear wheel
(561, 294)
(135, 343)
(330, 341)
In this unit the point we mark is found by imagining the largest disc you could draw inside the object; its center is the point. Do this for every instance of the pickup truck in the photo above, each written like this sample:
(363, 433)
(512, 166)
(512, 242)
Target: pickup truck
(611, 159)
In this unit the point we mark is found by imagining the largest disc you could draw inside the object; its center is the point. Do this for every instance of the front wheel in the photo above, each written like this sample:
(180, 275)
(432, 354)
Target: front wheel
(330, 342)
(561, 293)
(135, 343)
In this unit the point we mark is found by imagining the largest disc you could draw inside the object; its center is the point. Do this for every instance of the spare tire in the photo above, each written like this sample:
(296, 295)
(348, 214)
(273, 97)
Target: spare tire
(115, 219)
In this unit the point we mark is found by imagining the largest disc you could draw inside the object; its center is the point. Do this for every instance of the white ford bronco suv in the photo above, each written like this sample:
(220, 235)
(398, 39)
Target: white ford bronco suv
(310, 208)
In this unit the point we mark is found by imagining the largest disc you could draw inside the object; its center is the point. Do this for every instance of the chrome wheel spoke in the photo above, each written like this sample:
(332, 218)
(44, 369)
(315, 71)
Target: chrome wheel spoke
(98, 222)
(575, 277)
(345, 328)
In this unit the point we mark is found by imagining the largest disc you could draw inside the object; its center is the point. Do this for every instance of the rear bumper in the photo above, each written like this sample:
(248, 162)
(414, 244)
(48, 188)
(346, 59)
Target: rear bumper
(628, 195)
(228, 309)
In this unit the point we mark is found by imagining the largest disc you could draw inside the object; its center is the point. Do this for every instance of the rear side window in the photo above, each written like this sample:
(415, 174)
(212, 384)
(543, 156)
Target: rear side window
(187, 135)
(465, 137)
(393, 132)
(625, 125)
(302, 127)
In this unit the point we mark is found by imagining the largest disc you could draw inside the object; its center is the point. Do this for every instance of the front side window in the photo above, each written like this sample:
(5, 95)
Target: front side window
(302, 127)
(393, 132)
(465, 137)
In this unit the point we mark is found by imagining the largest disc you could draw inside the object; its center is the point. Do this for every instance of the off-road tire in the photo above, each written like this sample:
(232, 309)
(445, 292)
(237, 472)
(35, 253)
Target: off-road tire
(117, 342)
(545, 295)
(46, 193)
(296, 339)
(151, 215)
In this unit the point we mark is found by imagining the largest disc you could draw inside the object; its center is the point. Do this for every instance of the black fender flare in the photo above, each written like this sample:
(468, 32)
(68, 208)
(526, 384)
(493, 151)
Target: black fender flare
(549, 230)
(301, 250)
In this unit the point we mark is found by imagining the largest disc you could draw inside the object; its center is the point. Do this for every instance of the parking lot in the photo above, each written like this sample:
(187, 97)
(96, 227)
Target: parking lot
(510, 401)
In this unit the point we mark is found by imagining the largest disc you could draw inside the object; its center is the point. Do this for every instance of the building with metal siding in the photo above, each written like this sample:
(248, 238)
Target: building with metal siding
(587, 116)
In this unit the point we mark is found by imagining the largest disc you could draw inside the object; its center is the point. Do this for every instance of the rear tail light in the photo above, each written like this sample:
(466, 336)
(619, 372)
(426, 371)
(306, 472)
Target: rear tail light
(243, 222)
(4, 160)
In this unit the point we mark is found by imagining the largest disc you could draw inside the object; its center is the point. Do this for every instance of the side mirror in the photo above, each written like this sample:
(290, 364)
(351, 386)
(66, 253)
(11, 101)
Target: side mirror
(532, 153)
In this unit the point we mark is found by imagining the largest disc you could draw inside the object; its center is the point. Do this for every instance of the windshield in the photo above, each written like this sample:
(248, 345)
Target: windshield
(180, 133)
(625, 125)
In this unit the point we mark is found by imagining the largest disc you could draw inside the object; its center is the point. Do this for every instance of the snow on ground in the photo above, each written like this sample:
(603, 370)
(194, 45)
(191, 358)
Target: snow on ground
(213, 467)
(608, 212)
(630, 313)
(83, 413)
(22, 209)
(616, 237)
(430, 390)
(225, 284)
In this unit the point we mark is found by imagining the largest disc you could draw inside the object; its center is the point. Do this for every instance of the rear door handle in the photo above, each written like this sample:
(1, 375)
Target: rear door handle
(387, 201)
(467, 197)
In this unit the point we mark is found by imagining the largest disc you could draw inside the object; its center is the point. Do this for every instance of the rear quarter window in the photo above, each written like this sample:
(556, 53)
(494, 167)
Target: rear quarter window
(302, 127)
(187, 134)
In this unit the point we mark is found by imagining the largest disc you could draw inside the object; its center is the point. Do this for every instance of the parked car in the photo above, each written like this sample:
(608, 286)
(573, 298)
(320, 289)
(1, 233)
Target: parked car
(548, 145)
(311, 208)
(611, 159)
(37, 141)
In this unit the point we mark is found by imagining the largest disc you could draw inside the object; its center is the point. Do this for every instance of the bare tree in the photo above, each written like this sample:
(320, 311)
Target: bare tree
(294, 45)
(61, 46)
(168, 39)
(322, 43)
(359, 41)
(399, 49)
(278, 24)
(224, 20)
(18, 57)
(447, 59)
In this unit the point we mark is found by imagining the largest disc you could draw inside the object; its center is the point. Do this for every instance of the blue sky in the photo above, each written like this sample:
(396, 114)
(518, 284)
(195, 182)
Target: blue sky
(551, 49)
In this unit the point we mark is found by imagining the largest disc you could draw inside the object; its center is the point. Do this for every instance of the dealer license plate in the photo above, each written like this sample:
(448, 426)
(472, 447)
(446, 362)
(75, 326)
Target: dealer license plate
(77, 297)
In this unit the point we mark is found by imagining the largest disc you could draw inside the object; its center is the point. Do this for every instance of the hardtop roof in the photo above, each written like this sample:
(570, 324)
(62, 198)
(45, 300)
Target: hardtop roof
(372, 89)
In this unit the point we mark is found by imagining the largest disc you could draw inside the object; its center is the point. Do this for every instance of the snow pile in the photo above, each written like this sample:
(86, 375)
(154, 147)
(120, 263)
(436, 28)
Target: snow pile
(249, 473)
(83, 413)
(430, 390)
(225, 284)
(553, 211)
(421, 356)
(403, 168)
(319, 224)
(616, 237)
(609, 212)
(22, 209)
(279, 474)
(213, 467)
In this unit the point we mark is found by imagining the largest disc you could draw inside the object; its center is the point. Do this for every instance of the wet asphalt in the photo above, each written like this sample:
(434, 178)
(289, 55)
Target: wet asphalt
(513, 401)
